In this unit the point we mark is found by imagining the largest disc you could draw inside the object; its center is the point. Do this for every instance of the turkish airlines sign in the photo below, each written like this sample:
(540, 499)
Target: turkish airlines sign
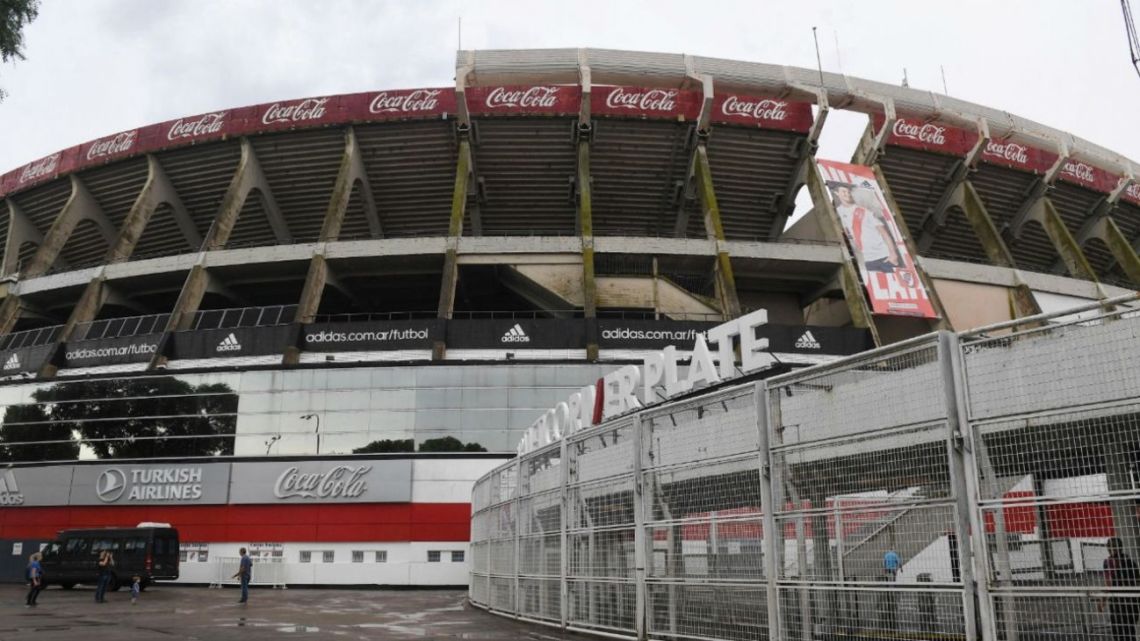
(158, 484)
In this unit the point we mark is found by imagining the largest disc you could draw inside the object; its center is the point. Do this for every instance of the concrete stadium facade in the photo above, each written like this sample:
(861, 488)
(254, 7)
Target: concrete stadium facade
(410, 265)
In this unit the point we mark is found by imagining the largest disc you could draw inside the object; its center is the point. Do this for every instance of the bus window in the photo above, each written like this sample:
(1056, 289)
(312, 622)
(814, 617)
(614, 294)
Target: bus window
(52, 550)
(134, 546)
(77, 547)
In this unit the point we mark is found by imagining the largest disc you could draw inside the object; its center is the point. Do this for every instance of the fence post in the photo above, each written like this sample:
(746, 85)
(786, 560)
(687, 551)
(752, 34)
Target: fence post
(563, 539)
(518, 524)
(958, 417)
(768, 507)
(639, 531)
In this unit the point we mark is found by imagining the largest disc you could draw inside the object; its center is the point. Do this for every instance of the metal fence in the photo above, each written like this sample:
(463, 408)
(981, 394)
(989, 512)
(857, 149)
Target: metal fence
(948, 487)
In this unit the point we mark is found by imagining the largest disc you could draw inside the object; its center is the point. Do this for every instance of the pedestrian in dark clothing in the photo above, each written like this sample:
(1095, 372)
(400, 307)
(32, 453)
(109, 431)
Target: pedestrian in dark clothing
(106, 574)
(35, 580)
(1120, 571)
(245, 572)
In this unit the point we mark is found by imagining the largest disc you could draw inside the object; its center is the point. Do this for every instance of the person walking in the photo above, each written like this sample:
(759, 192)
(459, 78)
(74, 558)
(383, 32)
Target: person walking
(136, 587)
(1120, 571)
(35, 580)
(106, 569)
(245, 572)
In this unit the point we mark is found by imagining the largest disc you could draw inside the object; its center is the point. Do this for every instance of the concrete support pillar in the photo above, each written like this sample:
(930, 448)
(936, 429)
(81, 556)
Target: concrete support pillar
(309, 302)
(853, 291)
(943, 321)
(805, 163)
(20, 231)
(1044, 212)
(966, 198)
(248, 177)
(157, 190)
(454, 231)
(350, 174)
(86, 308)
(935, 218)
(1124, 253)
(725, 281)
(81, 204)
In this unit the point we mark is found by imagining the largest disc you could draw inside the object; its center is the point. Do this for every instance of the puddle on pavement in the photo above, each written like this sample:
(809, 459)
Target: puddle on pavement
(299, 628)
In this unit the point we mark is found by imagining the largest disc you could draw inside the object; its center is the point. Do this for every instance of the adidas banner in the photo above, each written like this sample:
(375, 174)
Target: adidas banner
(25, 359)
(371, 335)
(111, 351)
(782, 339)
(513, 334)
(229, 343)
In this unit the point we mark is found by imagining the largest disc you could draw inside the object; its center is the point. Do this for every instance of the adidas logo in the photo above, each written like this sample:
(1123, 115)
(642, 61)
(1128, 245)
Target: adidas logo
(229, 344)
(807, 341)
(13, 362)
(516, 335)
(8, 483)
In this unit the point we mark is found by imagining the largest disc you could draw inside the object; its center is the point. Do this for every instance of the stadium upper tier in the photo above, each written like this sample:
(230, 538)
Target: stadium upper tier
(556, 181)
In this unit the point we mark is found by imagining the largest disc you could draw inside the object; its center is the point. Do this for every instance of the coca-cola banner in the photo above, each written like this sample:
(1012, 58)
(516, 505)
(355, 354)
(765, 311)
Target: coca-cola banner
(639, 102)
(540, 100)
(110, 148)
(1007, 153)
(374, 481)
(929, 136)
(1132, 193)
(406, 103)
(767, 113)
(886, 266)
(372, 335)
(1085, 175)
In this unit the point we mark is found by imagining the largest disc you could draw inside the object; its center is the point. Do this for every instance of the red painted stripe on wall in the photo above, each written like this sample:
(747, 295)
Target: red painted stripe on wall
(381, 522)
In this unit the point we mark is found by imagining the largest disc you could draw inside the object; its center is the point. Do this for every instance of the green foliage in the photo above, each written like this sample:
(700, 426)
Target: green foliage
(449, 444)
(125, 418)
(14, 16)
(474, 447)
(386, 446)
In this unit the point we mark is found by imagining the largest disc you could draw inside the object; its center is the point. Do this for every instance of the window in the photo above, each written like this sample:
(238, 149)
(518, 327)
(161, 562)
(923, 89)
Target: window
(381, 556)
(306, 556)
(457, 556)
(358, 556)
(327, 557)
(433, 556)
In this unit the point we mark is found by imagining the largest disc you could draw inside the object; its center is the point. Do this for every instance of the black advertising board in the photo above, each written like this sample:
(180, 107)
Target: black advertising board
(228, 343)
(111, 351)
(371, 335)
(782, 339)
(24, 359)
(512, 334)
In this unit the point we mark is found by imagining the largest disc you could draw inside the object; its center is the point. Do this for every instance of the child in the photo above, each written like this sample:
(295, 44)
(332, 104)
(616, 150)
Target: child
(135, 589)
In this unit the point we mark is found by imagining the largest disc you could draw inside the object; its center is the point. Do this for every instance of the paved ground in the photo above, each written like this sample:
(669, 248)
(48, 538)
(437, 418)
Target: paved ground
(168, 612)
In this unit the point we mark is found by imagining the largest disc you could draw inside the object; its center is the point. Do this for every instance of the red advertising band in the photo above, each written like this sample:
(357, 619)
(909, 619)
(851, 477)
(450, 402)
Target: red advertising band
(941, 138)
(407, 104)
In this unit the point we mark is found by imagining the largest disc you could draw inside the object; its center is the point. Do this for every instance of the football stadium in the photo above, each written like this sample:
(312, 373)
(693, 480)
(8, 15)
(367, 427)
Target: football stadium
(309, 327)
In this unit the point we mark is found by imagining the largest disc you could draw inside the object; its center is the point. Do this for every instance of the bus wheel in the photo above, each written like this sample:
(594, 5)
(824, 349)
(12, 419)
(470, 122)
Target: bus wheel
(67, 586)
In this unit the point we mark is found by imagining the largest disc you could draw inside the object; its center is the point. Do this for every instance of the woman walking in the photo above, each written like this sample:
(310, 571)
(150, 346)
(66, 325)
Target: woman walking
(106, 572)
(35, 580)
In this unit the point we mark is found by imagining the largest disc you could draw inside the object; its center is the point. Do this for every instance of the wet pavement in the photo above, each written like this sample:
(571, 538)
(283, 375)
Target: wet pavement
(169, 612)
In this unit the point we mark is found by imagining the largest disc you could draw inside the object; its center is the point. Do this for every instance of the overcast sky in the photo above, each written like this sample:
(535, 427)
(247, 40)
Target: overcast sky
(95, 67)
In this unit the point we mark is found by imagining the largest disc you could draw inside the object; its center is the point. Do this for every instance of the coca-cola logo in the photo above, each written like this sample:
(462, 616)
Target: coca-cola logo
(762, 109)
(341, 482)
(648, 100)
(928, 133)
(1079, 170)
(40, 168)
(116, 144)
(308, 109)
(1010, 151)
(533, 97)
(1133, 192)
(420, 100)
(206, 124)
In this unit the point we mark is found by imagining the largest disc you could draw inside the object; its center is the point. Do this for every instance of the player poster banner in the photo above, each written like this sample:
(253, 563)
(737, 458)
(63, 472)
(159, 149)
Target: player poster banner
(887, 268)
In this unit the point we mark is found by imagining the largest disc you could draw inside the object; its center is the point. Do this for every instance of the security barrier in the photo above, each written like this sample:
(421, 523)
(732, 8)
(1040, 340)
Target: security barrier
(266, 572)
(952, 487)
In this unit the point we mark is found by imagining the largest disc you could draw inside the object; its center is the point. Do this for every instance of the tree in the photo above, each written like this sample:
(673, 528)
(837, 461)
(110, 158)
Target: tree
(449, 444)
(145, 417)
(386, 446)
(31, 427)
(14, 16)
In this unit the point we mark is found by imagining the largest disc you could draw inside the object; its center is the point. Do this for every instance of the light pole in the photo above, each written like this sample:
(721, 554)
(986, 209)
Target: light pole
(317, 431)
(269, 443)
